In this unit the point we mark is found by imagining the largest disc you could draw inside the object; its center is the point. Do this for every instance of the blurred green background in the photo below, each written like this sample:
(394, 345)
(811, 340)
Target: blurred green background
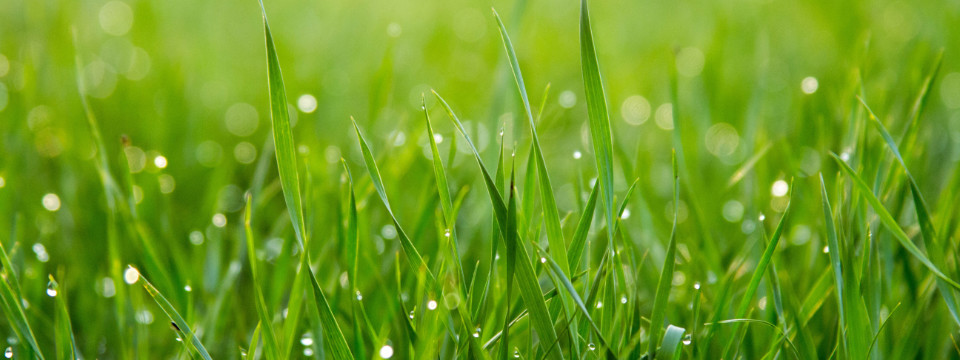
(185, 81)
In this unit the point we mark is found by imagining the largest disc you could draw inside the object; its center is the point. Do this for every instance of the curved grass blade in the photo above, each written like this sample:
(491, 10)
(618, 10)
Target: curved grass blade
(290, 184)
(927, 230)
(565, 282)
(599, 117)
(548, 200)
(180, 325)
(890, 223)
(882, 326)
(270, 344)
(666, 273)
(416, 261)
(527, 281)
(670, 348)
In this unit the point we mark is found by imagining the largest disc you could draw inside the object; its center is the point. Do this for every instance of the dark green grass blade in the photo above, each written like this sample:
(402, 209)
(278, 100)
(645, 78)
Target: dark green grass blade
(526, 276)
(666, 273)
(551, 215)
(63, 334)
(180, 325)
(510, 240)
(271, 346)
(290, 184)
(599, 117)
(416, 261)
(890, 223)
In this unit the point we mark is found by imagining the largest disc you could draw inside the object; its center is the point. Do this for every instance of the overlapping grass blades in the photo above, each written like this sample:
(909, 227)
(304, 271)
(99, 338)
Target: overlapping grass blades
(290, 183)
(527, 281)
(179, 325)
(666, 273)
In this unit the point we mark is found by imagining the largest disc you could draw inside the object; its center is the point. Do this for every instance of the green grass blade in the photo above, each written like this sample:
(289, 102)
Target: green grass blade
(527, 281)
(180, 325)
(599, 117)
(779, 331)
(290, 184)
(579, 240)
(927, 230)
(835, 250)
(12, 303)
(666, 273)
(416, 261)
(758, 273)
(271, 345)
(63, 335)
(890, 223)
(551, 215)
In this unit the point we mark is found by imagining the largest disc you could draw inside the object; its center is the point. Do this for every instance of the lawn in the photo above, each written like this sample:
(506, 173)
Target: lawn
(536, 179)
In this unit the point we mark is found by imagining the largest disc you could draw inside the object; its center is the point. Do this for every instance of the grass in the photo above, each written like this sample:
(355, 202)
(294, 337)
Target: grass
(453, 185)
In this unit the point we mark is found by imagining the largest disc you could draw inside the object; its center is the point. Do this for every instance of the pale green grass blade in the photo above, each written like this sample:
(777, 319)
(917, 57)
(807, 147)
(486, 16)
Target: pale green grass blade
(565, 282)
(190, 340)
(290, 183)
(666, 273)
(416, 261)
(510, 240)
(63, 335)
(599, 117)
(271, 346)
(672, 338)
(548, 201)
(890, 223)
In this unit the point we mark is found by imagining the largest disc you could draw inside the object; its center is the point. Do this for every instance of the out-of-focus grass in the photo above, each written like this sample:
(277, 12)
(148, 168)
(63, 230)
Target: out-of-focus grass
(413, 261)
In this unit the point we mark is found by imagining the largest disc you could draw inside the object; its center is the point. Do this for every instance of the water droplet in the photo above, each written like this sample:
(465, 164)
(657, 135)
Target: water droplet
(446, 233)
(8, 353)
(501, 132)
(179, 339)
(51, 290)
(411, 314)
(306, 340)
(577, 154)
(476, 332)
(516, 352)
(543, 260)
(432, 305)
(687, 340)
(599, 304)
(623, 299)
(696, 285)
(762, 217)
(591, 347)
(386, 351)
(131, 275)
(188, 288)
(826, 249)
(307, 352)
(359, 295)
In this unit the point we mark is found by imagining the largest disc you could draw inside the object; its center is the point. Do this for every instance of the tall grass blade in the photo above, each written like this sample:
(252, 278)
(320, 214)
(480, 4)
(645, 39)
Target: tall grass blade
(190, 339)
(599, 117)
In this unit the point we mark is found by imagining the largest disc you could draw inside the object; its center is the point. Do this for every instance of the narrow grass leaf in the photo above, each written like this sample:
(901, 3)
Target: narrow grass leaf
(180, 325)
